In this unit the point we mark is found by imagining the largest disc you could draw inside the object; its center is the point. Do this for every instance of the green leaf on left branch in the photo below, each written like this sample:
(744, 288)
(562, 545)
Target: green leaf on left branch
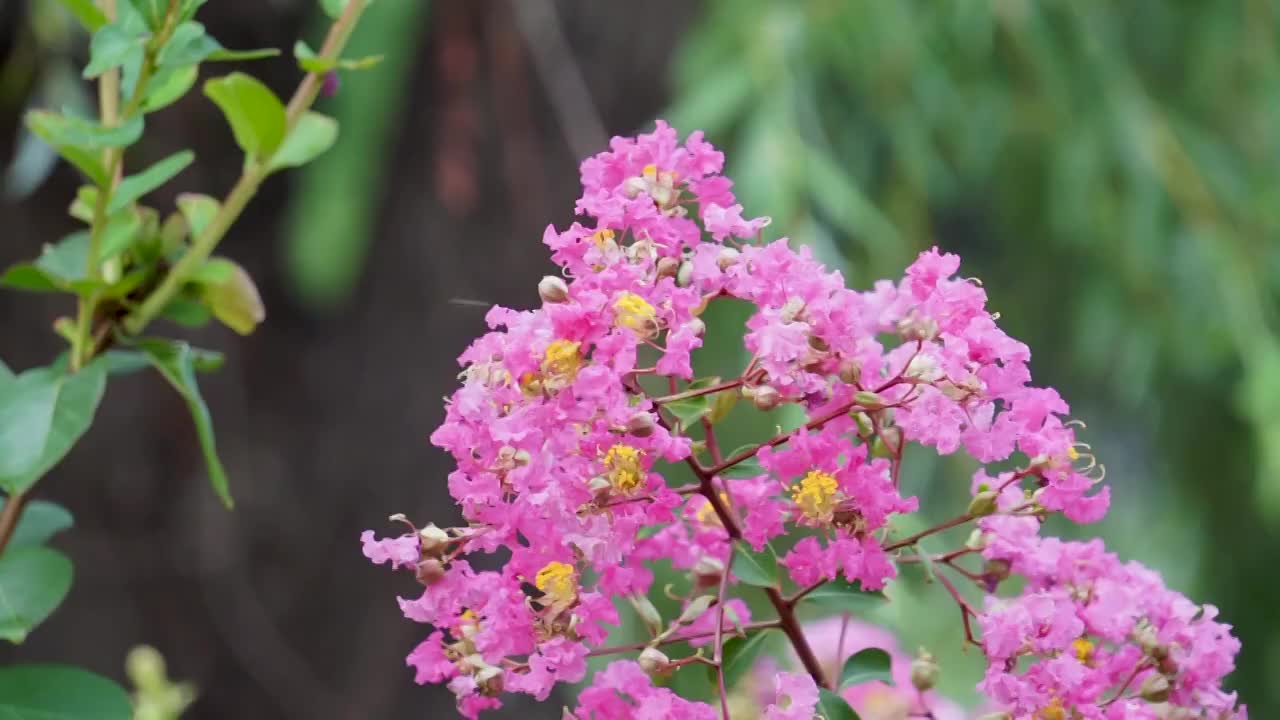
(135, 186)
(176, 361)
(43, 412)
(759, 569)
(87, 12)
(309, 139)
(833, 707)
(189, 45)
(311, 62)
(80, 141)
(230, 294)
(33, 582)
(40, 521)
(256, 115)
(110, 48)
(60, 692)
(844, 596)
(739, 655)
(865, 666)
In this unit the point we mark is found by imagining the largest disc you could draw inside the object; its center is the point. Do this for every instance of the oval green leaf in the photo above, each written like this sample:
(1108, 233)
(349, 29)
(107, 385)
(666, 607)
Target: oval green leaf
(755, 568)
(845, 596)
(256, 115)
(43, 412)
(740, 655)
(33, 582)
(40, 521)
(833, 707)
(60, 692)
(135, 186)
(865, 666)
(309, 139)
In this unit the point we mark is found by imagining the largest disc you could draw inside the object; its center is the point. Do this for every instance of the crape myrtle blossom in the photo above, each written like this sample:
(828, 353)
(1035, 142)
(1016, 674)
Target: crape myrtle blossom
(571, 417)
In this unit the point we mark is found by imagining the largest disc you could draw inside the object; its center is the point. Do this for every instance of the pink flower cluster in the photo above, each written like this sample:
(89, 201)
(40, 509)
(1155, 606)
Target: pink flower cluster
(565, 420)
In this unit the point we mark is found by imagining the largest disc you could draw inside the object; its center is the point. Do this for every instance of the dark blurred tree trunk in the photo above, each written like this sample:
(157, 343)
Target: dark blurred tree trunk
(322, 420)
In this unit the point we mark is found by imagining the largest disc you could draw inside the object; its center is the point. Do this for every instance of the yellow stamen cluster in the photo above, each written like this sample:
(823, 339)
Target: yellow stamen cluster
(562, 359)
(1082, 648)
(634, 312)
(649, 172)
(1073, 454)
(816, 495)
(1053, 711)
(558, 582)
(625, 471)
(707, 513)
(601, 238)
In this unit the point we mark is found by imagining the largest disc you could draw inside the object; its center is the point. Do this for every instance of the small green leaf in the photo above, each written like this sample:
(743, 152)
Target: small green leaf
(845, 596)
(225, 55)
(24, 276)
(6, 375)
(187, 312)
(310, 62)
(135, 186)
(865, 666)
(231, 295)
(833, 707)
(110, 47)
(40, 521)
(152, 11)
(33, 582)
(755, 568)
(176, 362)
(740, 655)
(122, 229)
(87, 13)
(198, 210)
(124, 362)
(189, 45)
(43, 412)
(60, 692)
(168, 86)
(310, 138)
(256, 115)
(66, 260)
(722, 403)
(689, 410)
(63, 130)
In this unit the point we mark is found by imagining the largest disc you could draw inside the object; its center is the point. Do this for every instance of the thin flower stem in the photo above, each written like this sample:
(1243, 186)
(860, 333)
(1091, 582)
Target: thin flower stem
(698, 392)
(965, 608)
(635, 647)
(718, 655)
(913, 539)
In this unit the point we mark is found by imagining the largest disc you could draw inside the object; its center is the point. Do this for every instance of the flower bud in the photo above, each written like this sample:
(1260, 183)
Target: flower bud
(641, 424)
(924, 671)
(599, 486)
(430, 571)
(849, 371)
(791, 310)
(698, 327)
(996, 716)
(653, 661)
(668, 267)
(983, 504)
(647, 612)
(868, 399)
(553, 289)
(997, 569)
(727, 258)
(684, 275)
(766, 397)
(818, 344)
(1155, 688)
(708, 571)
(633, 186)
(490, 681)
(432, 540)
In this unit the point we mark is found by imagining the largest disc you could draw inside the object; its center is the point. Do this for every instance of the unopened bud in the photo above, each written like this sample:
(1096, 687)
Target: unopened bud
(983, 504)
(868, 399)
(997, 569)
(432, 540)
(648, 613)
(791, 310)
(641, 424)
(996, 716)
(1155, 688)
(653, 661)
(698, 327)
(727, 258)
(490, 681)
(521, 458)
(849, 371)
(924, 671)
(633, 186)
(668, 267)
(599, 485)
(553, 289)
(766, 397)
(430, 571)
(684, 275)
(818, 344)
(708, 571)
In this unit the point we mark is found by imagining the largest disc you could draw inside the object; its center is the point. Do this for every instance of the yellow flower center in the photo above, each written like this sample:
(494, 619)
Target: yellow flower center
(557, 582)
(707, 513)
(625, 472)
(603, 237)
(1082, 648)
(633, 311)
(649, 172)
(562, 359)
(1053, 711)
(1073, 453)
(815, 494)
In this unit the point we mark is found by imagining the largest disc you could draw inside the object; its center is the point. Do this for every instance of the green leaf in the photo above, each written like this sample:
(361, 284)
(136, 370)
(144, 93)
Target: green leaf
(865, 666)
(310, 62)
(124, 362)
(198, 210)
(60, 692)
(689, 410)
(68, 131)
(310, 138)
(152, 11)
(33, 582)
(6, 375)
(110, 47)
(66, 260)
(40, 521)
(225, 55)
(43, 412)
(87, 12)
(230, 293)
(755, 568)
(833, 707)
(740, 655)
(168, 86)
(256, 115)
(24, 276)
(122, 229)
(187, 312)
(746, 469)
(135, 186)
(722, 403)
(176, 362)
(845, 596)
(189, 45)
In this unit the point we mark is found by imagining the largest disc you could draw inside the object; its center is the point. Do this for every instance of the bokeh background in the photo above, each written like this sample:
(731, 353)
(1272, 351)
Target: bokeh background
(1108, 169)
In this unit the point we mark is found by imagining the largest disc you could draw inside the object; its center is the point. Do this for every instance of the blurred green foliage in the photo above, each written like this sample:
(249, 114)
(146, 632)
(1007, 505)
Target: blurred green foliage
(1110, 171)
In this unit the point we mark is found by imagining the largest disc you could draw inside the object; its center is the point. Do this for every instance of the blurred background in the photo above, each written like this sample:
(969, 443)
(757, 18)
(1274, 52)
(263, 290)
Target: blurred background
(1108, 169)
